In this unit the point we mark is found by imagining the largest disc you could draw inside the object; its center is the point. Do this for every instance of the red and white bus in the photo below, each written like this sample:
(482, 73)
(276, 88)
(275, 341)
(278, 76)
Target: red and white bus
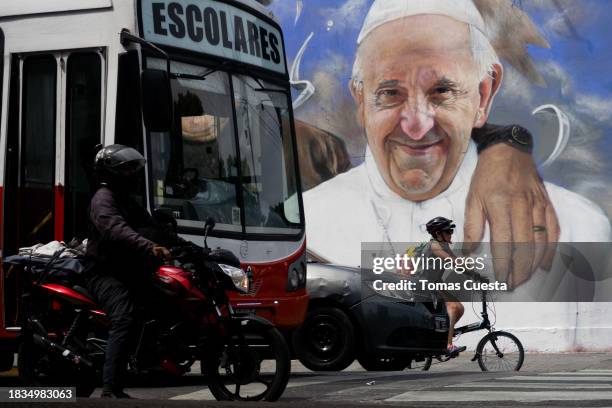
(198, 86)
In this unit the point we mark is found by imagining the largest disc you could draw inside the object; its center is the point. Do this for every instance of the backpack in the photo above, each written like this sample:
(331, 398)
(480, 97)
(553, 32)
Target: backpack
(415, 251)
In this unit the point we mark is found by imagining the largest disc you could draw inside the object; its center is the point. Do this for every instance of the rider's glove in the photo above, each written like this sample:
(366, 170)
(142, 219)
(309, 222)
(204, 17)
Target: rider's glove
(161, 252)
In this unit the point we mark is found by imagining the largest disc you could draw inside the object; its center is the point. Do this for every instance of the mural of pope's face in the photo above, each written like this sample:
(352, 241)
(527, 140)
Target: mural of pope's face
(419, 99)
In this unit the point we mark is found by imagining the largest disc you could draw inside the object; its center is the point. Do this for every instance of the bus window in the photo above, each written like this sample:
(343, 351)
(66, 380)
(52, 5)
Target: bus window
(30, 164)
(195, 172)
(37, 161)
(128, 123)
(128, 126)
(266, 153)
(83, 128)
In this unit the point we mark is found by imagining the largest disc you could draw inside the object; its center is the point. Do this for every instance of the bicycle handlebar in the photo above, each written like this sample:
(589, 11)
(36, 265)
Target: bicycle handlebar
(476, 276)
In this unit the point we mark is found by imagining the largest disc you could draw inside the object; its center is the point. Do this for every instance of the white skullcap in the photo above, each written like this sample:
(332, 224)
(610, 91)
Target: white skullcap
(384, 11)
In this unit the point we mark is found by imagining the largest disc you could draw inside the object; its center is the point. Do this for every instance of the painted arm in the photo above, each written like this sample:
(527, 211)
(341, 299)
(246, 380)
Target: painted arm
(508, 193)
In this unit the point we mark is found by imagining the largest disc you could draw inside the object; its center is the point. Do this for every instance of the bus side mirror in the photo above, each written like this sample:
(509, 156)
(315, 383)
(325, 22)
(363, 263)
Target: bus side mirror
(156, 100)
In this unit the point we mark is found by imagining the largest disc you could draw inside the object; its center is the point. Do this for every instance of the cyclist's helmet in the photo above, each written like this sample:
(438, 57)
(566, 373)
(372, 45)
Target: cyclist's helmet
(118, 160)
(440, 224)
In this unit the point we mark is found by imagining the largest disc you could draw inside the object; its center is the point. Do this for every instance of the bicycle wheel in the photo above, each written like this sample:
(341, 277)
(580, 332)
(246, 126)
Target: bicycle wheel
(500, 351)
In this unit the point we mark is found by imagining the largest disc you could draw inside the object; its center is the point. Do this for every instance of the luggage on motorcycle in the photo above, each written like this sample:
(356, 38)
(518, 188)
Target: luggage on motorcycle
(53, 261)
(74, 249)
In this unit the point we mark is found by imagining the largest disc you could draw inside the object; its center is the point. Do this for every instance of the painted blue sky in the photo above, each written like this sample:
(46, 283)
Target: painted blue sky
(576, 68)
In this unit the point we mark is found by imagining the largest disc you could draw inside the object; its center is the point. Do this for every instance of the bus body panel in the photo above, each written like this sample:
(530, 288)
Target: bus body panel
(31, 27)
(10, 8)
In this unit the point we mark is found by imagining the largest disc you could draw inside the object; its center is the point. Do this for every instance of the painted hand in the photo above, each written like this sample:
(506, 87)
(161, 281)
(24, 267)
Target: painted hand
(508, 193)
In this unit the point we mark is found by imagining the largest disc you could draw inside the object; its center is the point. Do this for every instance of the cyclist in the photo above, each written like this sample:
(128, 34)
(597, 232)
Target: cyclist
(441, 230)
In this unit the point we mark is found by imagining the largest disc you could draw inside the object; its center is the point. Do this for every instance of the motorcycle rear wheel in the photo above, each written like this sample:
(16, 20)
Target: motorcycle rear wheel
(230, 363)
(38, 368)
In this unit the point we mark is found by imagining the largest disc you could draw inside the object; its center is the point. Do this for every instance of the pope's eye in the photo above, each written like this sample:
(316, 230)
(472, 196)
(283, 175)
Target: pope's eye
(442, 90)
(389, 97)
(388, 92)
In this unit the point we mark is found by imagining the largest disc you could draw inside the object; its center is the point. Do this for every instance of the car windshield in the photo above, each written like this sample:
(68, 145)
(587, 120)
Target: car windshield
(230, 156)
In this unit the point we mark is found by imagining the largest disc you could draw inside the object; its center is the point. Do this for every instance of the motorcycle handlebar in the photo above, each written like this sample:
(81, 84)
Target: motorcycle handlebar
(192, 252)
(179, 252)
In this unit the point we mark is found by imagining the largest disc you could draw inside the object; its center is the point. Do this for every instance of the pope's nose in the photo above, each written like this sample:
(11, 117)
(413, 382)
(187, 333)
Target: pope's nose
(416, 122)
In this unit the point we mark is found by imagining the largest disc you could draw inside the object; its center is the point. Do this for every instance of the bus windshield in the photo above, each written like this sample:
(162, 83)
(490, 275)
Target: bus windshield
(230, 155)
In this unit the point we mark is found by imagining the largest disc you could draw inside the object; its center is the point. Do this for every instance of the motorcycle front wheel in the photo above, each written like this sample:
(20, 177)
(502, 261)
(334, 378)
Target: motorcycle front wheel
(250, 365)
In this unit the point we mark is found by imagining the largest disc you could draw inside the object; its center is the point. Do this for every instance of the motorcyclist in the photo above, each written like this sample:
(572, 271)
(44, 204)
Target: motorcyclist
(121, 256)
(441, 230)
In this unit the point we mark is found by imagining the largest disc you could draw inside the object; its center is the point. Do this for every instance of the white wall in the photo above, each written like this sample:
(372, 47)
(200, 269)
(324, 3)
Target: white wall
(549, 326)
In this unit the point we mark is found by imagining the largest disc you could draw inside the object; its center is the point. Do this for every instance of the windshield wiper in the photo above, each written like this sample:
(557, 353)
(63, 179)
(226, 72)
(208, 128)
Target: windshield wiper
(270, 90)
(262, 88)
(180, 75)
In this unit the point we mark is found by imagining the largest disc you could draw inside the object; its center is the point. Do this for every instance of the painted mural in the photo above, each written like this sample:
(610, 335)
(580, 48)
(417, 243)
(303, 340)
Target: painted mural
(555, 56)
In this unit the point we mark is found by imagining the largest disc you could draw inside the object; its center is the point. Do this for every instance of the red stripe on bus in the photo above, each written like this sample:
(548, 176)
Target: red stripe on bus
(59, 212)
(1, 213)
(2, 332)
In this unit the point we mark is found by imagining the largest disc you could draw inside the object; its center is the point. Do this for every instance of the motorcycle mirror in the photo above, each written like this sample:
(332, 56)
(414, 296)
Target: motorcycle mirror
(208, 226)
(210, 223)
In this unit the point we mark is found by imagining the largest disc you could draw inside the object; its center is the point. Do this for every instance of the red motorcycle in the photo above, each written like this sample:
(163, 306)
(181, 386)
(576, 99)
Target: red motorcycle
(189, 319)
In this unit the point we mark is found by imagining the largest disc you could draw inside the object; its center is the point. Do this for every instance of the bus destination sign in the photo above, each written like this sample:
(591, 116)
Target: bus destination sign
(214, 28)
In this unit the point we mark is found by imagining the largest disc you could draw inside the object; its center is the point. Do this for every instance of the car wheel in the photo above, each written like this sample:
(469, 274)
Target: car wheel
(326, 340)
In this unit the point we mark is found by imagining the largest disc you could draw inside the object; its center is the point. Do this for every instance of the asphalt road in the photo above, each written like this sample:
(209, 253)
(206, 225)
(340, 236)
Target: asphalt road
(547, 380)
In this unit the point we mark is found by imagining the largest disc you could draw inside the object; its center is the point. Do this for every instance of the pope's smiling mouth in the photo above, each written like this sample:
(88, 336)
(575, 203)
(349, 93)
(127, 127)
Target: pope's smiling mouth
(415, 148)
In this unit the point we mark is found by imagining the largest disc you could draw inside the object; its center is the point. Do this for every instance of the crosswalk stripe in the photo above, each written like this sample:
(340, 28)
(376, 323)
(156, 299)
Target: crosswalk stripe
(205, 394)
(202, 395)
(587, 384)
(555, 378)
(582, 373)
(519, 396)
(489, 384)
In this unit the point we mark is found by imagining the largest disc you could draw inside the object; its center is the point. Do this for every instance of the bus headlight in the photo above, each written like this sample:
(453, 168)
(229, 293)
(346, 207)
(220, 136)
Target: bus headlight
(238, 276)
(293, 279)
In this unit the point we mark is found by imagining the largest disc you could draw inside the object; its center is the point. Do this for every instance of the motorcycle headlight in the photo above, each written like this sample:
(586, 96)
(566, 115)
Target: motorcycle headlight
(238, 276)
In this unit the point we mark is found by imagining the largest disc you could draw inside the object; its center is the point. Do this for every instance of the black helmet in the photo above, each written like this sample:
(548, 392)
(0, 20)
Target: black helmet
(118, 160)
(440, 224)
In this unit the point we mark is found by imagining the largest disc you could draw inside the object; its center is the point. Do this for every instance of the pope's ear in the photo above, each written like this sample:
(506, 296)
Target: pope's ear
(488, 89)
(356, 88)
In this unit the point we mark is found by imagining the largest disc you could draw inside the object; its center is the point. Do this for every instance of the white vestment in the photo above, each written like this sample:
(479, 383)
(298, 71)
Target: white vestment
(358, 206)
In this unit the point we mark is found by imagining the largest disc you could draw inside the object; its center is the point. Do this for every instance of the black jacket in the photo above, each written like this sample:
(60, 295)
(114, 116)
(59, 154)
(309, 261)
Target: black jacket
(115, 244)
